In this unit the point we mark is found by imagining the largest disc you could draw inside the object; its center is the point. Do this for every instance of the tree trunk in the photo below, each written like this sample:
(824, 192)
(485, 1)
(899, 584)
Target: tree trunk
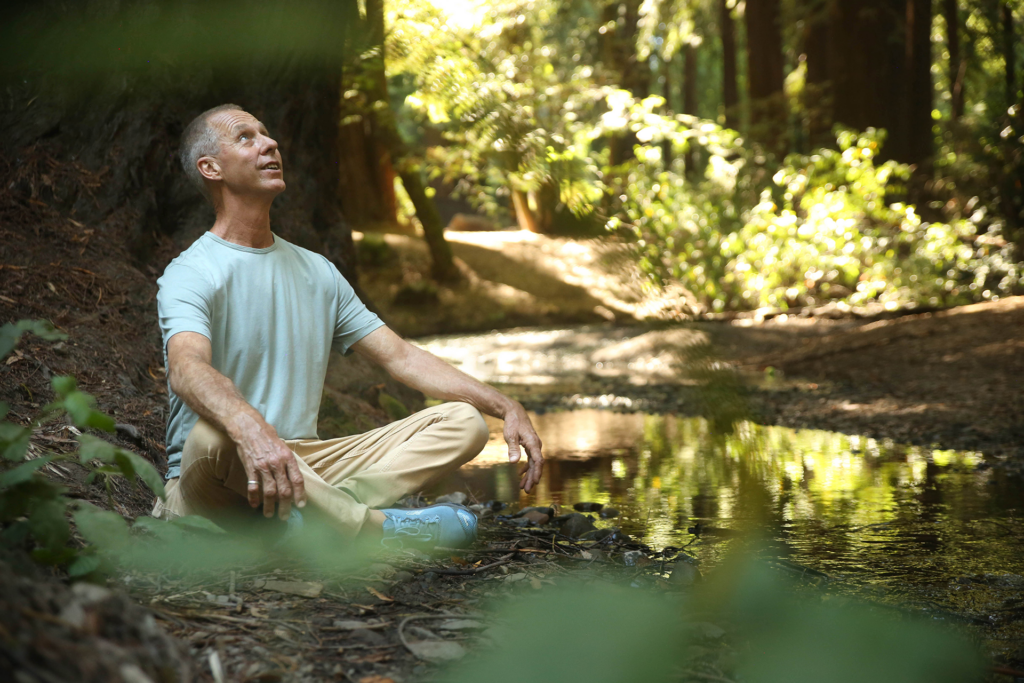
(867, 58)
(690, 106)
(1009, 56)
(120, 117)
(768, 118)
(666, 92)
(817, 91)
(389, 141)
(618, 52)
(957, 66)
(730, 95)
(920, 97)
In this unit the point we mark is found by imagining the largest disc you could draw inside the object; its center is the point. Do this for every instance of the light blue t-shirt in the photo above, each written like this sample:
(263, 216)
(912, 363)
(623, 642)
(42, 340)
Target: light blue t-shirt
(272, 317)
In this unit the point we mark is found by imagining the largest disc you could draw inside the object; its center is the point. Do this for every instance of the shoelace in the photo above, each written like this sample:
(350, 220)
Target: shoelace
(411, 527)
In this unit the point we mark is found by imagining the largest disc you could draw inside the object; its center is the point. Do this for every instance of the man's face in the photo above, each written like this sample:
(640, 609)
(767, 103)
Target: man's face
(249, 162)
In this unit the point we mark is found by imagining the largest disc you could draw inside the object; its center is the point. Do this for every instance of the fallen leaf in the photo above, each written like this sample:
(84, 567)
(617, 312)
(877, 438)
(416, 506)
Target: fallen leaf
(437, 650)
(305, 589)
(377, 594)
(372, 658)
(512, 578)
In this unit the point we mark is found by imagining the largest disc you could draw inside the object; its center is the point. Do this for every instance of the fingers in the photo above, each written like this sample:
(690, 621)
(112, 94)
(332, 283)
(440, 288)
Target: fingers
(514, 453)
(298, 484)
(269, 493)
(535, 467)
(252, 491)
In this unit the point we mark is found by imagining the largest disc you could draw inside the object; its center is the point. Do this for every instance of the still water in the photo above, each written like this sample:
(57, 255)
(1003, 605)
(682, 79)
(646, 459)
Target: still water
(925, 529)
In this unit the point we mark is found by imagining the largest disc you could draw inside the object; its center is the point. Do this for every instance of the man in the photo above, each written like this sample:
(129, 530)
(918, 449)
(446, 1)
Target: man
(248, 323)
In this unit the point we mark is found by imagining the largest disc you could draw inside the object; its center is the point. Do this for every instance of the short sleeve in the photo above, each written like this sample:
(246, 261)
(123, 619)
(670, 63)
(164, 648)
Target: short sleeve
(184, 302)
(354, 320)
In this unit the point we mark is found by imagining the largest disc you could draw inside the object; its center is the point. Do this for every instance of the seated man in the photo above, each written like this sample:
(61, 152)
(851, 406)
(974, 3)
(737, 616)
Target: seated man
(248, 323)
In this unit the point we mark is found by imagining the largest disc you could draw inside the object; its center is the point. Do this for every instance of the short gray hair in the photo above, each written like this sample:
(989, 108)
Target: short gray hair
(200, 140)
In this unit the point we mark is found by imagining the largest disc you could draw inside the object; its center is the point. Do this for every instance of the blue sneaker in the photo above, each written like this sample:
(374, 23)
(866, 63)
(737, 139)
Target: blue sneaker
(446, 525)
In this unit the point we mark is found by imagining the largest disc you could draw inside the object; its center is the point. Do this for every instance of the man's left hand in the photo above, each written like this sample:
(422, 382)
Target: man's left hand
(520, 435)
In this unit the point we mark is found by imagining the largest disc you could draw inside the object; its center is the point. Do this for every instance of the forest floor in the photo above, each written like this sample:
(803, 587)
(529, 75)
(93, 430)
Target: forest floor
(951, 378)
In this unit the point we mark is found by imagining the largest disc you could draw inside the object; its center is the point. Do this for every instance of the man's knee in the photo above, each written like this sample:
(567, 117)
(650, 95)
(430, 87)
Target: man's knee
(205, 440)
(473, 429)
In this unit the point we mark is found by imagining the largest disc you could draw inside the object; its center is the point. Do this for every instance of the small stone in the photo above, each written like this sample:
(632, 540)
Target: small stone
(632, 558)
(402, 576)
(536, 517)
(609, 513)
(90, 594)
(576, 525)
(73, 614)
(684, 573)
(588, 507)
(456, 498)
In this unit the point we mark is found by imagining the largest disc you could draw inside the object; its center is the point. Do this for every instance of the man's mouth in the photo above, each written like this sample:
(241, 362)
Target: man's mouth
(272, 166)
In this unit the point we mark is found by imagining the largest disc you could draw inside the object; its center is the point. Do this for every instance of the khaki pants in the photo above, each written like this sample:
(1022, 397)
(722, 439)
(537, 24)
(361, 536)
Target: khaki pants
(344, 477)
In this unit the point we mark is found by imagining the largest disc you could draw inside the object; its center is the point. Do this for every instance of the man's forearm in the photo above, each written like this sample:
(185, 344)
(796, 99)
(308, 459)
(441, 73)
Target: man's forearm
(431, 375)
(214, 397)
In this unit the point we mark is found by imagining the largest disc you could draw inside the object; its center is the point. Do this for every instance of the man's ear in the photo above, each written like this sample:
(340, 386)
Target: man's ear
(209, 167)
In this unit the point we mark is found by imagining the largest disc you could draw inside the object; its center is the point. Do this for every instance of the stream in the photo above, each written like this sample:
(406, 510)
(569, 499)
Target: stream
(925, 530)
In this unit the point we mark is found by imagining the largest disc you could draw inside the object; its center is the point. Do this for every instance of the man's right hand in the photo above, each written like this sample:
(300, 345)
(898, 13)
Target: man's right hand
(273, 472)
(270, 465)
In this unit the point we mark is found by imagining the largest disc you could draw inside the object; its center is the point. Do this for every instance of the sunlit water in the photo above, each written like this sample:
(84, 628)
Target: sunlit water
(931, 530)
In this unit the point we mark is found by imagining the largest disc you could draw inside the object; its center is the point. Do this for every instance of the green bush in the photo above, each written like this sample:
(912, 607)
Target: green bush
(33, 509)
(825, 229)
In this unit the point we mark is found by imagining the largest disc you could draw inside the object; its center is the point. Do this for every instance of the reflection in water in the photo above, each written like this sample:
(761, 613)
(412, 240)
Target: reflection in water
(912, 522)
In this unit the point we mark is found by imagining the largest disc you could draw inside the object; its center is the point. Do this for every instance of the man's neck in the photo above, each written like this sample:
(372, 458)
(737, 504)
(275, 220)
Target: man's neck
(245, 223)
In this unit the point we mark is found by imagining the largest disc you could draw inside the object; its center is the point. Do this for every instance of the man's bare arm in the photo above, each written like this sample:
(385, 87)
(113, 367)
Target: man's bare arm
(426, 372)
(266, 458)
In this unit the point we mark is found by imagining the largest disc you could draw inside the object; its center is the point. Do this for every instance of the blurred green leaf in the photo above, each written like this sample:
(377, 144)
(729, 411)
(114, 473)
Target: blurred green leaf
(637, 638)
(83, 565)
(23, 472)
(48, 523)
(82, 409)
(197, 523)
(104, 529)
(63, 384)
(14, 441)
(95, 448)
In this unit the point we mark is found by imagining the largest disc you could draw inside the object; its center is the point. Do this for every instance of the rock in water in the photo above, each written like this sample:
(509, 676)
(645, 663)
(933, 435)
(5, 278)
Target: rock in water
(685, 573)
(588, 507)
(537, 517)
(609, 513)
(550, 512)
(458, 498)
(576, 525)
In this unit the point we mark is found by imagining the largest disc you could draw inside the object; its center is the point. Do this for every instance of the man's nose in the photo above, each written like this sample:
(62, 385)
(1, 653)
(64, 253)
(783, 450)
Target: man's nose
(269, 144)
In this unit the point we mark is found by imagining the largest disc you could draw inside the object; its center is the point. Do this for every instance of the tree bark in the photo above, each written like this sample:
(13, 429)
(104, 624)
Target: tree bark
(730, 95)
(957, 66)
(120, 117)
(1009, 53)
(666, 92)
(765, 75)
(921, 94)
(817, 94)
(690, 106)
(867, 58)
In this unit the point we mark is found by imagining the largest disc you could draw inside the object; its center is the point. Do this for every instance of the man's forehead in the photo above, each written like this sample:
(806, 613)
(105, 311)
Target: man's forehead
(234, 118)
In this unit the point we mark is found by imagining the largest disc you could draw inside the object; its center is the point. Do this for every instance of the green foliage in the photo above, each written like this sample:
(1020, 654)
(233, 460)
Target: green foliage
(602, 633)
(33, 508)
(825, 229)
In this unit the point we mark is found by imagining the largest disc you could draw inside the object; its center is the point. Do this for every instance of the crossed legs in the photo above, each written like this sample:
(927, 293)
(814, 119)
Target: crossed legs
(345, 478)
